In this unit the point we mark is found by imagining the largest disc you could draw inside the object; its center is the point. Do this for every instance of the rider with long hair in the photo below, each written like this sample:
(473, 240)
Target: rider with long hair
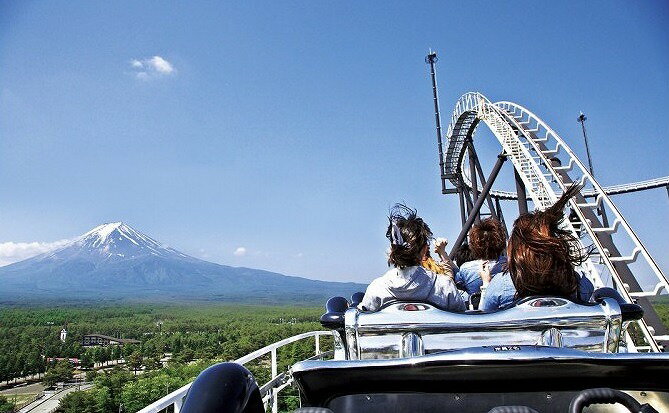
(542, 257)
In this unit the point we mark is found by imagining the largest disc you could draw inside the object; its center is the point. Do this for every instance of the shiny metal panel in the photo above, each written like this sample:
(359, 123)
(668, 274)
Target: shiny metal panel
(551, 337)
(412, 345)
(340, 350)
(477, 354)
(380, 335)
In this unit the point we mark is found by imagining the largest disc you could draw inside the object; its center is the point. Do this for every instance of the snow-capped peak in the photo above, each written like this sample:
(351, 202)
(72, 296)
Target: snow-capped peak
(102, 232)
(121, 240)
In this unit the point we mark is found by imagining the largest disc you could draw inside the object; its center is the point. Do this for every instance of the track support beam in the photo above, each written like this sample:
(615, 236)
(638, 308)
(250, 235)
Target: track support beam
(522, 195)
(479, 202)
(472, 176)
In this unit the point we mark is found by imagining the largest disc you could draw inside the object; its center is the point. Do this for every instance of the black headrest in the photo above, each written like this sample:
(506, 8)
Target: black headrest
(336, 305)
(607, 292)
(628, 311)
(334, 316)
(356, 298)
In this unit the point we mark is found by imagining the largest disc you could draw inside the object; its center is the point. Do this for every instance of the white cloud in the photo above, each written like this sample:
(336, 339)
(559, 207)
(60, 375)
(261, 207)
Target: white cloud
(161, 65)
(11, 252)
(240, 251)
(151, 67)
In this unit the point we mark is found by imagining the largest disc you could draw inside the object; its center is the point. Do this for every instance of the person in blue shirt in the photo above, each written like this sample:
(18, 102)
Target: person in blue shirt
(487, 242)
(542, 257)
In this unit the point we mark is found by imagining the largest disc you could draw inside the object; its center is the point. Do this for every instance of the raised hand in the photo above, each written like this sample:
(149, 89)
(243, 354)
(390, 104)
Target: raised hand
(485, 272)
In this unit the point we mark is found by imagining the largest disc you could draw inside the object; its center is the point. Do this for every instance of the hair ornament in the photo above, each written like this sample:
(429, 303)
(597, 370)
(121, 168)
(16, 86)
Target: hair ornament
(396, 235)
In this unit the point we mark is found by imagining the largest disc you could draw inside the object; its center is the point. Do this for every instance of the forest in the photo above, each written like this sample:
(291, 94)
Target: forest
(176, 343)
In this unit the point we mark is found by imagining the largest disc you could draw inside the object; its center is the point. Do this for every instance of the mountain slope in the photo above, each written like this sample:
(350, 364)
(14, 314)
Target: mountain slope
(116, 261)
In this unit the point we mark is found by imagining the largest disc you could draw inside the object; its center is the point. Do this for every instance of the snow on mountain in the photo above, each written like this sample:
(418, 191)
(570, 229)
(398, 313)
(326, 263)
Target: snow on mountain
(118, 240)
(116, 260)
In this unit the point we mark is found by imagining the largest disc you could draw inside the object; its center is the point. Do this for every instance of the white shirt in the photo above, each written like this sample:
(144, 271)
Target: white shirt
(412, 284)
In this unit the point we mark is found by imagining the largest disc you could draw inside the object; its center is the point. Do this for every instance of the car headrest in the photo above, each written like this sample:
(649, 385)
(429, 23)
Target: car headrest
(356, 298)
(334, 316)
(629, 311)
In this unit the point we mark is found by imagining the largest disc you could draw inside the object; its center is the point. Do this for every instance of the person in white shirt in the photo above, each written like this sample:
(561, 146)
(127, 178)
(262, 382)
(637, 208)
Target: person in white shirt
(407, 280)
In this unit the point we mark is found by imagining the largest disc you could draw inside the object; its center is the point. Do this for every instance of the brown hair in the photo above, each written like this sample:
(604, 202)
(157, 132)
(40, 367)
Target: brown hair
(487, 240)
(542, 256)
(415, 234)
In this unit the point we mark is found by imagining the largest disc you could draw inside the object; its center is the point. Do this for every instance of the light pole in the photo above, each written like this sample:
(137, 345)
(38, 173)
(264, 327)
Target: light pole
(600, 209)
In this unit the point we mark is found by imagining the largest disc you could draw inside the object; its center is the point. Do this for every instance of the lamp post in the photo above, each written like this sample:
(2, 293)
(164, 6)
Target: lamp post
(581, 119)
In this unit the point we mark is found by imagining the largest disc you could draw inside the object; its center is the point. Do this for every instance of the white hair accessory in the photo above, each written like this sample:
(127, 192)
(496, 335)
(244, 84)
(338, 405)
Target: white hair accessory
(396, 235)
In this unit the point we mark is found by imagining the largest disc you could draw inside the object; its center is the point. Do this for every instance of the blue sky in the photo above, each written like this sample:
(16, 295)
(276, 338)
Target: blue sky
(288, 129)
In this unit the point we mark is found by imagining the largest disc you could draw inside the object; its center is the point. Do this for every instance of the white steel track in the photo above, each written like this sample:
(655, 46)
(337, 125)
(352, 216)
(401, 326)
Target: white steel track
(609, 190)
(535, 149)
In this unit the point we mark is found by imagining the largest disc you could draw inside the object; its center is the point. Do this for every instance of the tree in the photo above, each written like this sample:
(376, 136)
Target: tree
(61, 371)
(109, 386)
(86, 360)
(91, 375)
(143, 391)
(14, 366)
(185, 355)
(78, 402)
(117, 353)
(135, 361)
(106, 354)
(152, 363)
(98, 355)
(5, 405)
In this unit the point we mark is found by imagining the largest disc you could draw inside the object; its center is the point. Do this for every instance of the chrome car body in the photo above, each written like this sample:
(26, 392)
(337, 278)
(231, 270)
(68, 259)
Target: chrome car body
(410, 329)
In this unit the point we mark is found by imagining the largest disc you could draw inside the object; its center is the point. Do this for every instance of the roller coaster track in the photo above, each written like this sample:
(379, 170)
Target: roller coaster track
(609, 190)
(547, 167)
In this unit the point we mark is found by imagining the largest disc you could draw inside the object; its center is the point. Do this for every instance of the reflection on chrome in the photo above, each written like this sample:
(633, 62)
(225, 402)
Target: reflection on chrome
(395, 332)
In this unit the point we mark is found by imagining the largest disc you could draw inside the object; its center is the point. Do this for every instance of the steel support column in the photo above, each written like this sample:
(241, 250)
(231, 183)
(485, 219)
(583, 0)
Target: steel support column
(463, 212)
(491, 206)
(468, 198)
(472, 176)
(501, 218)
(479, 202)
(522, 195)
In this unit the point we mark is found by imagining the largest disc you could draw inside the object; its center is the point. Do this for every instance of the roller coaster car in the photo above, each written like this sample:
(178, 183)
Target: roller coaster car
(544, 354)
(408, 329)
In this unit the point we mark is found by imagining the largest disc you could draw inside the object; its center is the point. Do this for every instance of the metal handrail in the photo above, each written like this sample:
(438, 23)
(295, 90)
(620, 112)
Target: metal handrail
(176, 397)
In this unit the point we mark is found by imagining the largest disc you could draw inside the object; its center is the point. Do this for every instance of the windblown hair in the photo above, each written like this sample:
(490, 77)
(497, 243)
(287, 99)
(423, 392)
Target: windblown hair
(542, 256)
(415, 233)
(463, 255)
(487, 239)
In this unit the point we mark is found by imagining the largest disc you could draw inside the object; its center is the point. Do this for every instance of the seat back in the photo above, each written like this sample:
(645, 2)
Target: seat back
(406, 329)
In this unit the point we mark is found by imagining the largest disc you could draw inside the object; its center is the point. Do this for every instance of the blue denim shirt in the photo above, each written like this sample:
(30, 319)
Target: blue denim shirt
(501, 292)
(468, 277)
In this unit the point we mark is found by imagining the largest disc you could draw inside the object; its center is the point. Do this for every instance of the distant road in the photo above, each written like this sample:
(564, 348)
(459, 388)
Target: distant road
(50, 403)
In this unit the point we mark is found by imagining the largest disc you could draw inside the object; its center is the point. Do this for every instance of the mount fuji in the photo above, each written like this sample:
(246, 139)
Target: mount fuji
(116, 261)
